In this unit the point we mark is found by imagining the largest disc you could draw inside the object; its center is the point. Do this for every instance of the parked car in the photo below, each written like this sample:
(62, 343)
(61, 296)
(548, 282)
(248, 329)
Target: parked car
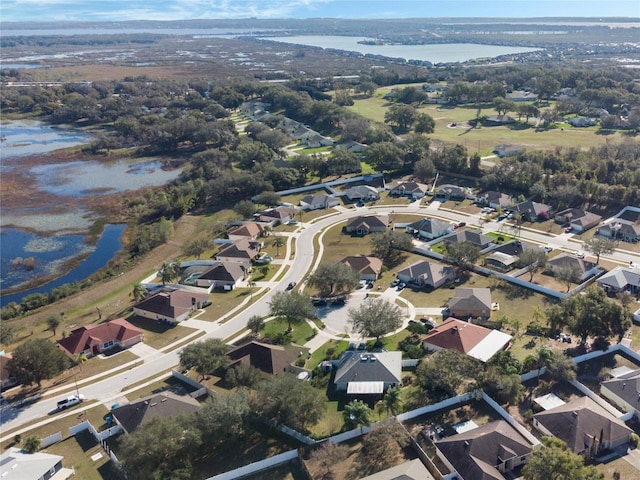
(401, 286)
(502, 216)
(395, 283)
(293, 222)
(568, 229)
(70, 401)
(563, 337)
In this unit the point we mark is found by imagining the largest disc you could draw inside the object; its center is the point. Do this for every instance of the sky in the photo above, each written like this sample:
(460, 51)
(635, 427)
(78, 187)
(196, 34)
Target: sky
(165, 10)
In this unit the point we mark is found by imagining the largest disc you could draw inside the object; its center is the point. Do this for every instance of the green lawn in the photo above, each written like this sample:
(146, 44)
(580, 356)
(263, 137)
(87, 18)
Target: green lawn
(484, 139)
(223, 302)
(301, 332)
(157, 334)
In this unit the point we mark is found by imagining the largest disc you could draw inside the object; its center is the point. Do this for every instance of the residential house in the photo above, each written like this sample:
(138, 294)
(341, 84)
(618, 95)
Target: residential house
(17, 464)
(163, 405)
(521, 96)
(243, 251)
(621, 279)
(363, 193)
(171, 306)
(624, 391)
(368, 268)
(577, 219)
(317, 141)
(451, 192)
(494, 120)
(271, 359)
(409, 189)
(582, 122)
(7, 380)
(467, 338)
(299, 132)
(429, 274)
(222, 275)
(533, 211)
(586, 427)
(501, 261)
(276, 215)
(250, 230)
(620, 229)
(471, 302)
(430, 228)
(318, 202)
(409, 470)
(505, 150)
(353, 147)
(564, 260)
(364, 373)
(91, 340)
(494, 199)
(363, 225)
(489, 452)
(472, 236)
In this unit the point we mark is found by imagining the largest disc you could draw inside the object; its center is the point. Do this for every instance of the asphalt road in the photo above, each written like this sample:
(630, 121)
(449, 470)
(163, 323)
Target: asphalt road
(109, 390)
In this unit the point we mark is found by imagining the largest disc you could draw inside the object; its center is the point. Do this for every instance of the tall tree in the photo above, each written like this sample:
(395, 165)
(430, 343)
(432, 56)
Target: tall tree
(599, 246)
(554, 460)
(196, 247)
(288, 401)
(442, 373)
(7, 333)
(205, 357)
(462, 255)
(161, 448)
(385, 156)
(255, 324)
(53, 322)
(392, 401)
(251, 283)
(36, 360)
(138, 292)
(293, 306)
(532, 260)
(357, 414)
(569, 275)
(278, 242)
(330, 278)
(389, 245)
(166, 273)
(402, 116)
(375, 318)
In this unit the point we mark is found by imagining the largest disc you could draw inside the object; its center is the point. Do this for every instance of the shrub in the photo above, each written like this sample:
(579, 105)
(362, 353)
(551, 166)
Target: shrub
(635, 439)
(32, 444)
(600, 343)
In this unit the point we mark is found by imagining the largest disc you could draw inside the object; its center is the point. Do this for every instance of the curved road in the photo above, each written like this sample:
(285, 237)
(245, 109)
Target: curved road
(109, 390)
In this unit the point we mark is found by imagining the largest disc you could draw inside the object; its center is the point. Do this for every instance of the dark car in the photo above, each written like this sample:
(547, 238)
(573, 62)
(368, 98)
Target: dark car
(291, 285)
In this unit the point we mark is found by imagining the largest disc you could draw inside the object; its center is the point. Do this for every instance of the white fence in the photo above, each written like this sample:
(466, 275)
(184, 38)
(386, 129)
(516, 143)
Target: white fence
(50, 440)
(510, 420)
(199, 393)
(79, 427)
(257, 466)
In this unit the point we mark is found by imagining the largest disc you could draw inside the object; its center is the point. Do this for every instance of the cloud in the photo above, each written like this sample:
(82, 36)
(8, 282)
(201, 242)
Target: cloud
(120, 10)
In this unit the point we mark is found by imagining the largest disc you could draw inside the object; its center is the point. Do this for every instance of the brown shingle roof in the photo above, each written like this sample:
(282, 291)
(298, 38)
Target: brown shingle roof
(164, 405)
(249, 229)
(582, 420)
(171, 304)
(243, 248)
(369, 221)
(84, 338)
(476, 453)
(363, 263)
(271, 359)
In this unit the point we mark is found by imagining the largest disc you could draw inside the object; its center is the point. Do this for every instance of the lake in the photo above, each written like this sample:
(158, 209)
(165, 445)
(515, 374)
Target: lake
(438, 53)
(51, 253)
(54, 232)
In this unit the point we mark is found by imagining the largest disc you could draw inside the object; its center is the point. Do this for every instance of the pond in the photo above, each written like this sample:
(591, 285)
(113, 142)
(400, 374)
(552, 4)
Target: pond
(21, 138)
(49, 254)
(40, 235)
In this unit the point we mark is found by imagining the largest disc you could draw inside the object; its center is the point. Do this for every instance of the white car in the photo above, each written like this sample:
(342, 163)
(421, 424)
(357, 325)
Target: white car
(70, 401)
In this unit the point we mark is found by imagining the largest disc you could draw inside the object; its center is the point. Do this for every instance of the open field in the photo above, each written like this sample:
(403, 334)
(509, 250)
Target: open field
(484, 139)
(157, 334)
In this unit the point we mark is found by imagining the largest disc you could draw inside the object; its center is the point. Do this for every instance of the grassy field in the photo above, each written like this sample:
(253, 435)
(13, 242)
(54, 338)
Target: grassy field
(301, 333)
(157, 334)
(484, 139)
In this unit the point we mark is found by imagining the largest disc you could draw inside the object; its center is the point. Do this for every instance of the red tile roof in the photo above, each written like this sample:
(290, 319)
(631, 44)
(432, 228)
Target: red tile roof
(457, 335)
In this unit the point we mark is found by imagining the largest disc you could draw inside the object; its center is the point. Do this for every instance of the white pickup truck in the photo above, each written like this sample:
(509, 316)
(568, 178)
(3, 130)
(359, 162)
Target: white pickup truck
(70, 401)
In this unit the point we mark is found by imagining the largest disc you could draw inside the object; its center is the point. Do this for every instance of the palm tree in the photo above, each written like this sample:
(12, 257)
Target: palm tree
(251, 283)
(391, 402)
(80, 359)
(357, 413)
(278, 242)
(166, 273)
(138, 292)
